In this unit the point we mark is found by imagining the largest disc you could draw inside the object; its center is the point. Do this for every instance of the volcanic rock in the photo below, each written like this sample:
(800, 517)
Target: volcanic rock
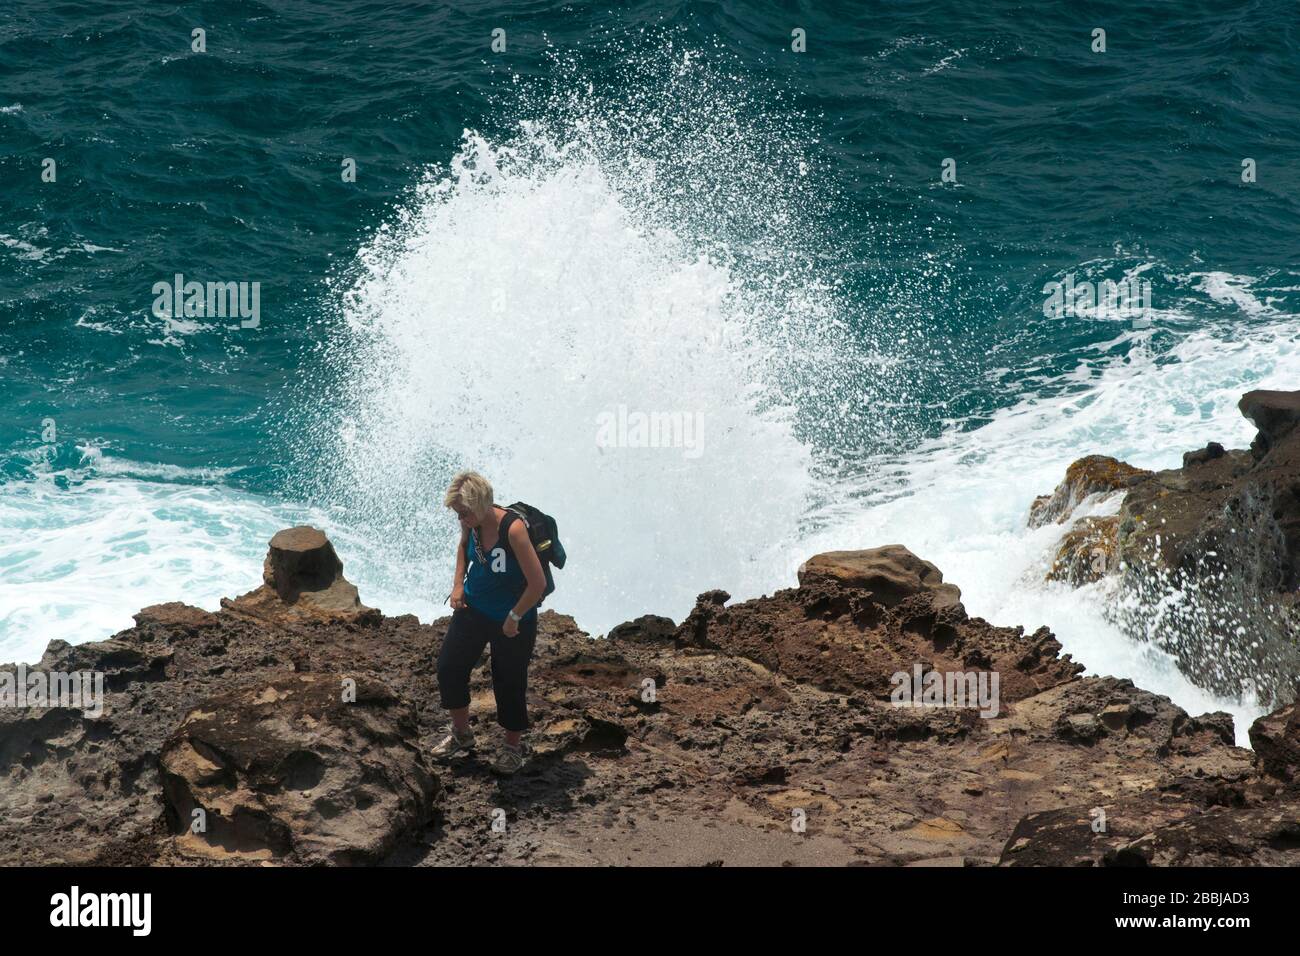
(1087, 551)
(1189, 822)
(1209, 553)
(1275, 414)
(313, 768)
(1213, 450)
(1276, 740)
(302, 580)
(693, 747)
(858, 618)
(1092, 475)
(890, 574)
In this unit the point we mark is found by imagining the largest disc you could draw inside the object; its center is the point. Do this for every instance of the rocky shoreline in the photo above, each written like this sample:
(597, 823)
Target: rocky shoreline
(1222, 533)
(292, 726)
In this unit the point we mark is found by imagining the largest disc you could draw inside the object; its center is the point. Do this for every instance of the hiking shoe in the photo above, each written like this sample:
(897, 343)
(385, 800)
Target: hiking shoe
(455, 742)
(509, 760)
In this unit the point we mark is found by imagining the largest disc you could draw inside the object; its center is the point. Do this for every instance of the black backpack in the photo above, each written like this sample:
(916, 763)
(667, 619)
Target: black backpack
(544, 535)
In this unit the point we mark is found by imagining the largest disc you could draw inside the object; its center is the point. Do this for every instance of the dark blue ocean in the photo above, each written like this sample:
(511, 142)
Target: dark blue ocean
(817, 239)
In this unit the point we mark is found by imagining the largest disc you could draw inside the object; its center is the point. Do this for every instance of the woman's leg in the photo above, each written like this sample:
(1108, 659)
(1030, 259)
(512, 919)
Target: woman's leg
(461, 649)
(460, 718)
(510, 659)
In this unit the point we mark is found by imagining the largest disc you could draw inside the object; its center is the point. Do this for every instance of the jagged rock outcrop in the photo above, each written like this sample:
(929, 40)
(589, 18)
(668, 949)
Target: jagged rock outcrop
(700, 743)
(1232, 816)
(1276, 741)
(308, 768)
(302, 580)
(1274, 413)
(647, 629)
(1087, 551)
(1208, 554)
(858, 618)
(1092, 475)
(1191, 822)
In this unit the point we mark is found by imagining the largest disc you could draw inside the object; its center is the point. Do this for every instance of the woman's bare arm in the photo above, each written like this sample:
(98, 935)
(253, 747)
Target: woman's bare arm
(458, 583)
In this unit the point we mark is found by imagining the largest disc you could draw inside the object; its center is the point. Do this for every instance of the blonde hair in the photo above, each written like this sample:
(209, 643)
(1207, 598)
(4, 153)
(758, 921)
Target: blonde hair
(470, 490)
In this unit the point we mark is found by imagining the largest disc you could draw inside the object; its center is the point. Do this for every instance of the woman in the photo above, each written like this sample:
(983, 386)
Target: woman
(494, 596)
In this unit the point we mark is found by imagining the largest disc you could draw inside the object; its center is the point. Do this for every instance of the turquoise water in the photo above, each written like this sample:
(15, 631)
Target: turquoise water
(660, 207)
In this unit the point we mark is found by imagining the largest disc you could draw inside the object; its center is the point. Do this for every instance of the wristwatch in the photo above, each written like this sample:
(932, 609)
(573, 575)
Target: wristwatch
(515, 617)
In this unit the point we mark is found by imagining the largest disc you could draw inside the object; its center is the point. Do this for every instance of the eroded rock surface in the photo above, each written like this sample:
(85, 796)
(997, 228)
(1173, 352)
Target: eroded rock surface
(312, 768)
(890, 575)
(1093, 475)
(698, 743)
(1087, 551)
(1208, 554)
(302, 581)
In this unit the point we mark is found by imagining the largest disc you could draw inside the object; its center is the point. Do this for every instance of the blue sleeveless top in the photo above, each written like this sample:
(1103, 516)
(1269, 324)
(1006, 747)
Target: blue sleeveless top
(494, 592)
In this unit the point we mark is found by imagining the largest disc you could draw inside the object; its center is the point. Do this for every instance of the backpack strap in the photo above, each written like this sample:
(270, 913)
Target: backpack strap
(503, 540)
(503, 530)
